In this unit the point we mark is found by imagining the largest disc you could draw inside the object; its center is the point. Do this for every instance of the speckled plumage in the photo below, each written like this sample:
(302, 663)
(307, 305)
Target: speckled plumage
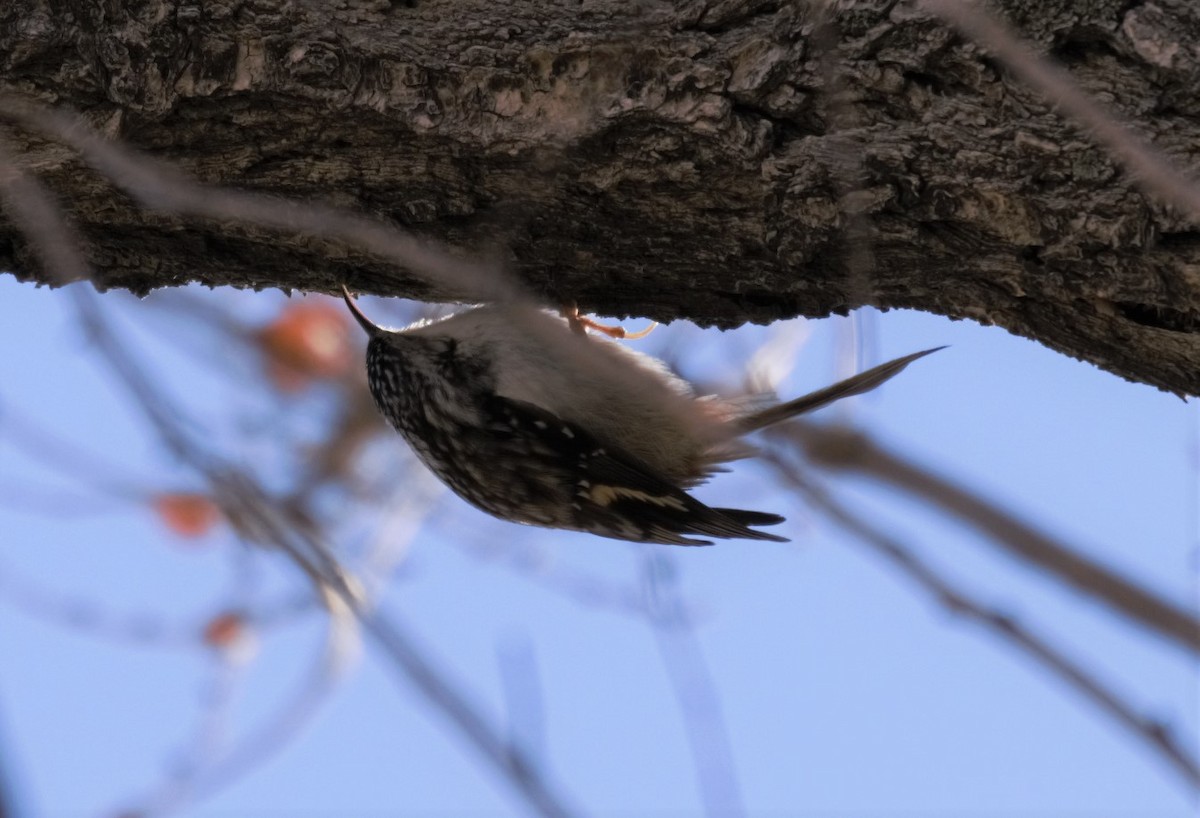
(538, 425)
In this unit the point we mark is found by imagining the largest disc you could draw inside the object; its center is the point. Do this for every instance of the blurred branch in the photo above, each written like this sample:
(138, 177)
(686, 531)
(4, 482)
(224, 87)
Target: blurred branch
(247, 504)
(261, 520)
(212, 768)
(178, 789)
(30, 206)
(27, 498)
(356, 424)
(524, 702)
(845, 158)
(80, 614)
(531, 562)
(852, 450)
(69, 459)
(160, 186)
(695, 691)
(8, 803)
(1147, 166)
(1154, 734)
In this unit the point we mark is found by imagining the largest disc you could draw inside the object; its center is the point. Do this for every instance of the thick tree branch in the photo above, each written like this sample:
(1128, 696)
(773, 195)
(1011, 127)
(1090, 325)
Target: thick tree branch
(645, 158)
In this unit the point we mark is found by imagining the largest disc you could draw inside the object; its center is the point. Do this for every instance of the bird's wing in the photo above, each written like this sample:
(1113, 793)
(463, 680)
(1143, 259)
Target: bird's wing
(611, 492)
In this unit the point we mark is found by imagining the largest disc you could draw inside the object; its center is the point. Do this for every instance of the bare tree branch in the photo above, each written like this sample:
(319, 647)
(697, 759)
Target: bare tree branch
(1149, 168)
(1153, 734)
(608, 171)
(699, 701)
(163, 187)
(252, 509)
(852, 450)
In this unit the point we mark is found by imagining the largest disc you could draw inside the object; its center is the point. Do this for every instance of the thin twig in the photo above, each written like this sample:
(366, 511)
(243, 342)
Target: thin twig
(70, 459)
(213, 768)
(243, 500)
(853, 450)
(38, 217)
(1154, 734)
(161, 186)
(83, 615)
(845, 164)
(524, 702)
(1148, 167)
(580, 587)
(695, 691)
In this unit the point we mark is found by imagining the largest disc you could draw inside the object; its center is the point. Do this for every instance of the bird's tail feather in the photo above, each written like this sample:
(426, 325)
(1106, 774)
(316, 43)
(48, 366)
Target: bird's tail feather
(856, 385)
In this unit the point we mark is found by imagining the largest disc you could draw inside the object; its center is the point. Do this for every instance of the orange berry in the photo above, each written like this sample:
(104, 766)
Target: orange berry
(187, 514)
(307, 341)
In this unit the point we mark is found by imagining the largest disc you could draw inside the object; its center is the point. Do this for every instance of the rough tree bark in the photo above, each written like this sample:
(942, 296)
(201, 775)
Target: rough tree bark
(719, 160)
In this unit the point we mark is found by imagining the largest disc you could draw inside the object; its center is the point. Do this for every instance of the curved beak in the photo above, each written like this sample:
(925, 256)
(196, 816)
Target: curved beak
(363, 321)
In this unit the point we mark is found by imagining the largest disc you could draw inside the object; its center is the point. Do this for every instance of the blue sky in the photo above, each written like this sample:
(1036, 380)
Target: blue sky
(841, 687)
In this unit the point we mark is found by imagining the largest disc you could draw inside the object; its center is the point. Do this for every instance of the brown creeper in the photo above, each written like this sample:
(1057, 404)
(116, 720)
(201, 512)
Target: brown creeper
(538, 425)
